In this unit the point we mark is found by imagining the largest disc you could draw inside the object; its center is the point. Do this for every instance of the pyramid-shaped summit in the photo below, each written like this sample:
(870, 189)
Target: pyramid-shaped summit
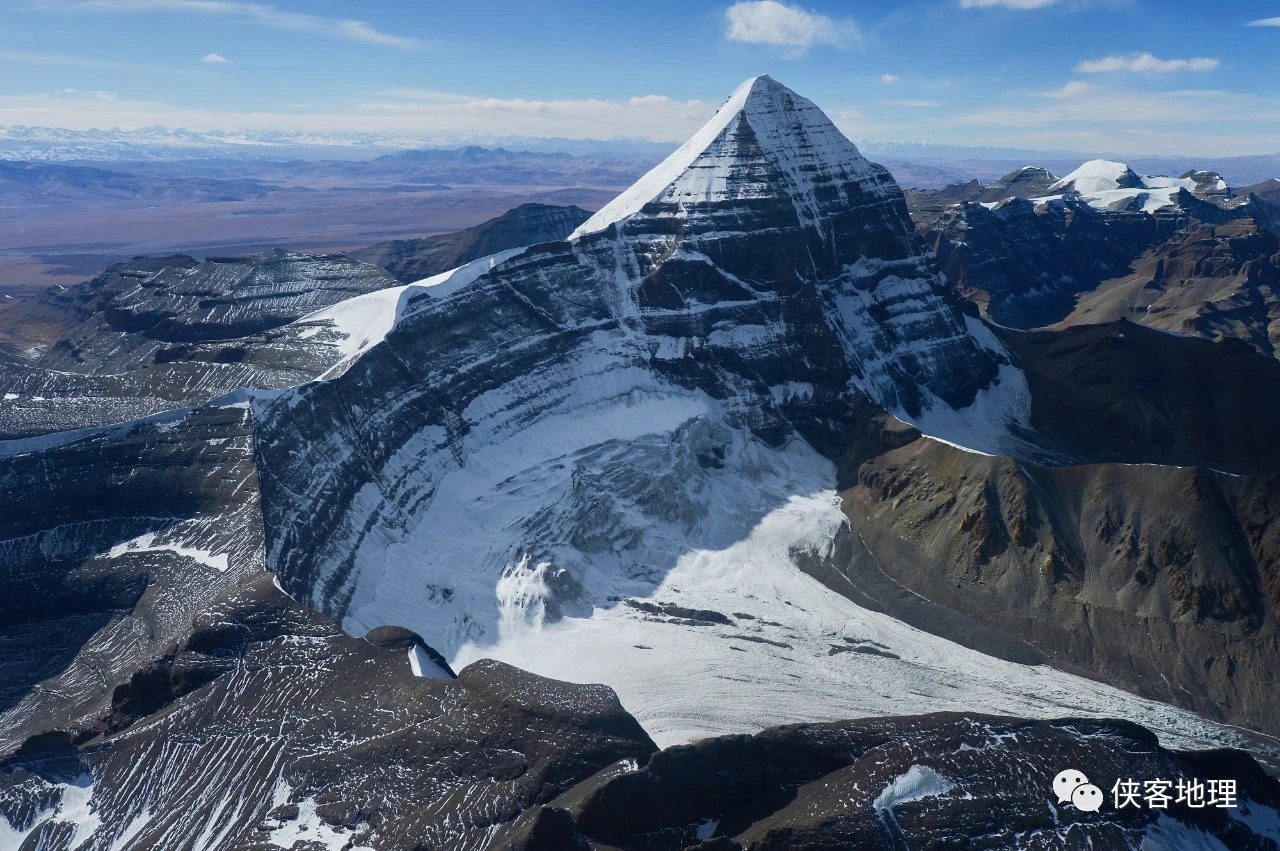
(765, 142)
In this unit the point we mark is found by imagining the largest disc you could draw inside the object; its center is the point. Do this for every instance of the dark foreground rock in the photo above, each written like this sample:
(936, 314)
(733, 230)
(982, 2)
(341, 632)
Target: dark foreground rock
(267, 727)
(930, 781)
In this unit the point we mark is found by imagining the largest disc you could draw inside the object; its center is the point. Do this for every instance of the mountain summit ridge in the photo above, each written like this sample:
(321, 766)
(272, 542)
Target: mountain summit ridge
(791, 131)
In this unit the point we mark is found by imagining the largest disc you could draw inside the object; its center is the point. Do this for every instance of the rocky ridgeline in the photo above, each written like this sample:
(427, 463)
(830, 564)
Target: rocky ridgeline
(1186, 254)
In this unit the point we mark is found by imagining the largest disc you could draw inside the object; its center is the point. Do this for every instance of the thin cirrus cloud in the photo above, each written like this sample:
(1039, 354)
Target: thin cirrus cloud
(1264, 22)
(215, 59)
(1006, 4)
(1072, 89)
(67, 60)
(777, 24)
(406, 113)
(1145, 63)
(264, 14)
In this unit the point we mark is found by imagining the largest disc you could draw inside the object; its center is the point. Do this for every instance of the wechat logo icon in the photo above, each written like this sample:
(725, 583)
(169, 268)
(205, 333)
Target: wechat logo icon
(1072, 787)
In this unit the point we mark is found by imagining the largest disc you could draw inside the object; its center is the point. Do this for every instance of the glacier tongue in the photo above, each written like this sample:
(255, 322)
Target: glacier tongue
(791, 650)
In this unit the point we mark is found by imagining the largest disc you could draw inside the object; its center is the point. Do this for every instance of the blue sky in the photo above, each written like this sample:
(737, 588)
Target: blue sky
(1135, 76)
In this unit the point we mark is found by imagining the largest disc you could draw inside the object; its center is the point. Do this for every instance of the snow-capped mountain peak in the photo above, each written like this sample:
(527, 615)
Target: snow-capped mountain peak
(762, 122)
(1109, 185)
(1099, 176)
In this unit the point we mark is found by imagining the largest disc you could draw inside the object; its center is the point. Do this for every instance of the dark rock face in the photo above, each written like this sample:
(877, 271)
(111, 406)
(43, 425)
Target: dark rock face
(1126, 393)
(411, 260)
(265, 726)
(1160, 576)
(109, 545)
(1204, 264)
(1158, 579)
(919, 782)
(153, 334)
(1210, 280)
(1268, 190)
(1025, 263)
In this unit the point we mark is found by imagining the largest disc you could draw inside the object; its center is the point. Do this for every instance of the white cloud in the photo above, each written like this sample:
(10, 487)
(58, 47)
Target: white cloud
(1006, 4)
(264, 14)
(215, 59)
(413, 114)
(1145, 62)
(914, 104)
(1073, 88)
(889, 79)
(779, 25)
(1206, 122)
(1265, 22)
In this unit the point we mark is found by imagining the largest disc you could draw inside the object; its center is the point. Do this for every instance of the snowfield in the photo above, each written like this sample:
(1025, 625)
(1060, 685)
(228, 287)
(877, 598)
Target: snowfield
(794, 650)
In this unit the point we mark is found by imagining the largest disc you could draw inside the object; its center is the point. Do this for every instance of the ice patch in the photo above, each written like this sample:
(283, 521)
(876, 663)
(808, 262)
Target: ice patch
(522, 594)
(146, 544)
(423, 665)
(918, 782)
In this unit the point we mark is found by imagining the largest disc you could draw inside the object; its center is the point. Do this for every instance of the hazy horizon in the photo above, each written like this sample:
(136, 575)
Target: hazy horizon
(1069, 75)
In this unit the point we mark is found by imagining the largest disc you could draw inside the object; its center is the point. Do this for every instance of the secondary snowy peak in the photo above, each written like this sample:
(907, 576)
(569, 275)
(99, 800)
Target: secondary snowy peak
(764, 140)
(1099, 176)
(1109, 185)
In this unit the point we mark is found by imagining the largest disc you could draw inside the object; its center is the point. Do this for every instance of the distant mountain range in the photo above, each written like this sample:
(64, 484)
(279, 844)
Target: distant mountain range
(924, 164)
(19, 142)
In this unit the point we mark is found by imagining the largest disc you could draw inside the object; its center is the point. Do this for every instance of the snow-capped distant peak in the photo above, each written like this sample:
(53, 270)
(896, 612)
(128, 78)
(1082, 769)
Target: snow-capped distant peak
(792, 132)
(1109, 185)
(1099, 176)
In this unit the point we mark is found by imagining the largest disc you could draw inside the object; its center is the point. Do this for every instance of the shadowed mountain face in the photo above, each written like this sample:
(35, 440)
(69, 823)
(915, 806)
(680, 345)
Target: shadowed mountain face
(1158, 572)
(1181, 254)
(109, 546)
(1024, 263)
(677, 453)
(157, 333)
(1210, 280)
(412, 260)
